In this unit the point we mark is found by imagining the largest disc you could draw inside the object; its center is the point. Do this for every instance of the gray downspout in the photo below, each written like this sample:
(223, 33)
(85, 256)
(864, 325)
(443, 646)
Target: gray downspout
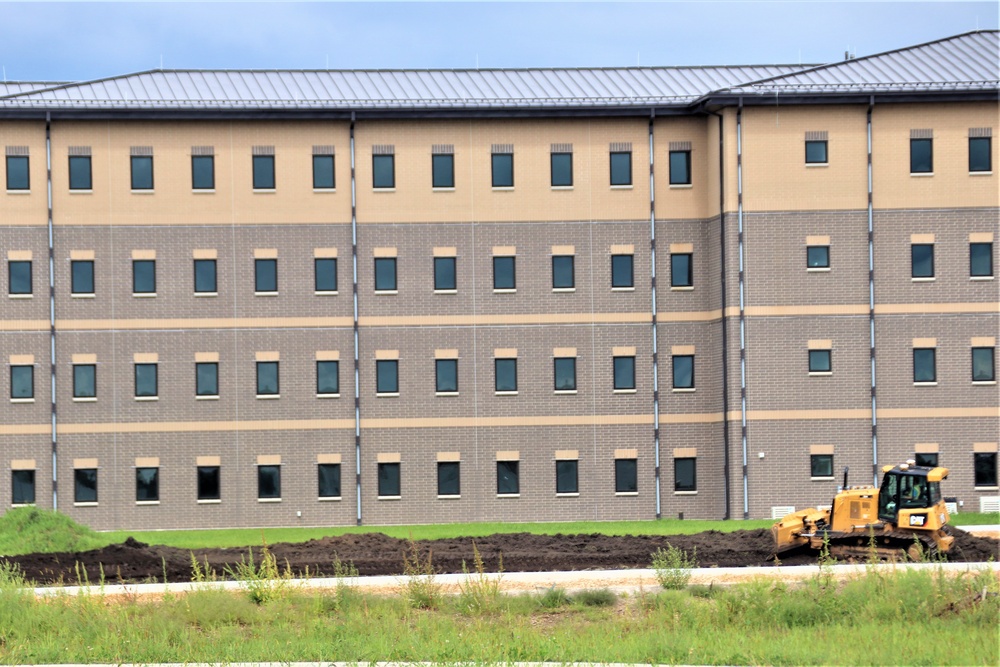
(871, 294)
(743, 323)
(652, 282)
(354, 293)
(52, 311)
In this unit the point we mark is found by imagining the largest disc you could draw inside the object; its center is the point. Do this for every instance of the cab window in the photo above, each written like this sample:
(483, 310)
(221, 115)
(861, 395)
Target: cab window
(912, 491)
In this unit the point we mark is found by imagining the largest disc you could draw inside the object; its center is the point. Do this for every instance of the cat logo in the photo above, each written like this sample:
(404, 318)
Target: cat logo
(917, 519)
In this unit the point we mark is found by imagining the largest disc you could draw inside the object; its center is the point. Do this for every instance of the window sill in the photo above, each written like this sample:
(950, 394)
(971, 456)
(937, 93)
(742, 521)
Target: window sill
(446, 291)
(562, 187)
(329, 499)
(449, 497)
(380, 190)
(623, 289)
(143, 191)
(567, 495)
(822, 479)
(209, 501)
(390, 497)
(984, 383)
(22, 400)
(207, 398)
(147, 398)
(269, 500)
(681, 186)
(32, 296)
(326, 293)
(327, 395)
(143, 295)
(818, 269)
(81, 296)
(624, 391)
(503, 188)
(682, 288)
(265, 294)
(980, 277)
(563, 290)
(147, 502)
(683, 390)
(505, 291)
(387, 394)
(446, 393)
(505, 393)
(19, 192)
(923, 280)
(268, 397)
(84, 399)
(203, 191)
(451, 189)
(622, 187)
(814, 165)
(508, 495)
(921, 174)
(264, 191)
(975, 488)
(626, 493)
(81, 192)
(971, 173)
(925, 384)
(685, 493)
(205, 295)
(22, 504)
(820, 373)
(386, 292)
(321, 191)
(568, 392)
(84, 504)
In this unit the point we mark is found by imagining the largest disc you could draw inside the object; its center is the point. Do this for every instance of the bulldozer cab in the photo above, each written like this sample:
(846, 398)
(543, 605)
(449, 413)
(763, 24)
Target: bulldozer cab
(906, 487)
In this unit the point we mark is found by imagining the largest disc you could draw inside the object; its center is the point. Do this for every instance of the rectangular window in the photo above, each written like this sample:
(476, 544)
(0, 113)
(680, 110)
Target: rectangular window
(680, 167)
(926, 460)
(85, 485)
(383, 171)
(209, 483)
(22, 382)
(82, 276)
(329, 480)
(142, 172)
(621, 168)
(144, 276)
(17, 172)
(683, 371)
(23, 482)
(145, 380)
(565, 373)
(626, 476)
(816, 152)
(508, 482)
(323, 173)
(980, 154)
(267, 378)
(503, 170)
(563, 272)
(19, 277)
(263, 172)
(505, 371)
(924, 366)
(327, 377)
(269, 482)
(325, 269)
(624, 369)
(265, 275)
(685, 474)
(980, 260)
(80, 173)
(985, 468)
(442, 171)
(681, 270)
(444, 273)
(818, 257)
(147, 484)
(921, 156)
(922, 260)
(387, 376)
(983, 368)
(206, 382)
(621, 271)
(567, 477)
(202, 172)
(820, 362)
(205, 276)
(446, 376)
(448, 478)
(821, 465)
(385, 274)
(562, 169)
(388, 480)
(84, 381)
(504, 273)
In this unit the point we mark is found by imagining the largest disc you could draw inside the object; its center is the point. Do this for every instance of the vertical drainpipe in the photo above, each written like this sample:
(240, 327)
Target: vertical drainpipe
(652, 281)
(743, 323)
(52, 311)
(725, 324)
(354, 293)
(871, 294)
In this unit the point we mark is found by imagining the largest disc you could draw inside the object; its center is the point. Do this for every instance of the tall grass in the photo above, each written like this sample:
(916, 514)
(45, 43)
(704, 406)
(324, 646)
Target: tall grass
(25, 530)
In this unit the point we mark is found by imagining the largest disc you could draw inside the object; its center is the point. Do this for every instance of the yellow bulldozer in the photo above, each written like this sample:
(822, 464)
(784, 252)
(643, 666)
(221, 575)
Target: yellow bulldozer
(905, 517)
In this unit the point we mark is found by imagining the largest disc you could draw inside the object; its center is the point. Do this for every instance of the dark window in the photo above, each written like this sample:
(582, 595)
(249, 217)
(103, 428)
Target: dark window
(22, 381)
(983, 369)
(84, 381)
(442, 171)
(144, 276)
(329, 480)
(205, 280)
(921, 156)
(444, 273)
(206, 379)
(327, 377)
(19, 277)
(504, 273)
(203, 172)
(508, 482)
(82, 276)
(565, 373)
(626, 476)
(147, 484)
(980, 259)
(384, 171)
(269, 481)
(145, 380)
(621, 168)
(821, 465)
(24, 487)
(209, 483)
(79, 172)
(503, 170)
(985, 468)
(567, 477)
(922, 260)
(142, 172)
(624, 368)
(323, 174)
(924, 368)
(387, 376)
(388, 479)
(562, 272)
(17, 172)
(980, 154)
(263, 172)
(562, 169)
(621, 271)
(816, 152)
(818, 257)
(265, 275)
(685, 475)
(325, 269)
(506, 374)
(683, 371)
(85, 485)
(680, 167)
(448, 478)
(385, 274)
(267, 378)
(681, 271)
(926, 460)
(446, 374)
(819, 361)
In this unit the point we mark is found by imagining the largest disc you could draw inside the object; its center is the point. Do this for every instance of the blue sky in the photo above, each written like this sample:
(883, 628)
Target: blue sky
(74, 41)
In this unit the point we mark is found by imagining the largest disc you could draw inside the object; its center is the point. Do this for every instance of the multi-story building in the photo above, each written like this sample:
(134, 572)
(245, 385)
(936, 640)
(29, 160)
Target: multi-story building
(240, 298)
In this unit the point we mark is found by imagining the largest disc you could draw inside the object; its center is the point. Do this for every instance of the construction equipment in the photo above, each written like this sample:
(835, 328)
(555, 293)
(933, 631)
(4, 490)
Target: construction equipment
(906, 517)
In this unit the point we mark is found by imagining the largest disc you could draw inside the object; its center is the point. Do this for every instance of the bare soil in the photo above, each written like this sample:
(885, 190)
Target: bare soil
(378, 554)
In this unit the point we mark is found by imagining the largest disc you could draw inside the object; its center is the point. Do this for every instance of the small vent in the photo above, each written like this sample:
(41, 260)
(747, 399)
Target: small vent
(989, 505)
(203, 150)
(817, 136)
(443, 149)
(680, 145)
(17, 151)
(952, 507)
(503, 148)
(921, 134)
(621, 147)
(78, 151)
(562, 148)
(263, 150)
(383, 149)
(323, 150)
(976, 132)
(781, 511)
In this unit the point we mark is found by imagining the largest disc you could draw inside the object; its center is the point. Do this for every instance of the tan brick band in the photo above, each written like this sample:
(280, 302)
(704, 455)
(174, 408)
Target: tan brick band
(184, 323)
(449, 456)
(926, 448)
(205, 253)
(626, 453)
(143, 254)
(685, 452)
(981, 237)
(84, 358)
(564, 352)
(269, 460)
(505, 353)
(81, 254)
(504, 250)
(446, 354)
(206, 356)
(567, 454)
(921, 238)
(145, 357)
(817, 240)
(265, 253)
(267, 356)
(623, 351)
(984, 341)
(682, 349)
(208, 460)
(820, 344)
(147, 462)
(681, 247)
(563, 250)
(23, 464)
(392, 457)
(327, 355)
(445, 252)
(385, 252)
(22, 359)
(387, 354)
(821, 449)
(19, 255)
(84, 463)
(328, 458)
(925, 342)
(325, 253)
(626, 249)
(508, 455)
(984, 447)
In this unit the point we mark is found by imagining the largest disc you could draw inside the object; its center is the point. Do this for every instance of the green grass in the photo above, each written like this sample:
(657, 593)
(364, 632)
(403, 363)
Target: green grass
(975, 519)
(27, 530)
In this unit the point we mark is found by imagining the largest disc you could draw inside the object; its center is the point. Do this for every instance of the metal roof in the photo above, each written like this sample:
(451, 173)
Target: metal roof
(16, 87)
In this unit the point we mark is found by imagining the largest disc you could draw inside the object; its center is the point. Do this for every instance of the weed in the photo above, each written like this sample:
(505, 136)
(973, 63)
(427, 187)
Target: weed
(200, 572)
(553, 598)
(422, 588)
(600, 597)
(343, 572)
(264, 582)
(480, 591)
(673, 567)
